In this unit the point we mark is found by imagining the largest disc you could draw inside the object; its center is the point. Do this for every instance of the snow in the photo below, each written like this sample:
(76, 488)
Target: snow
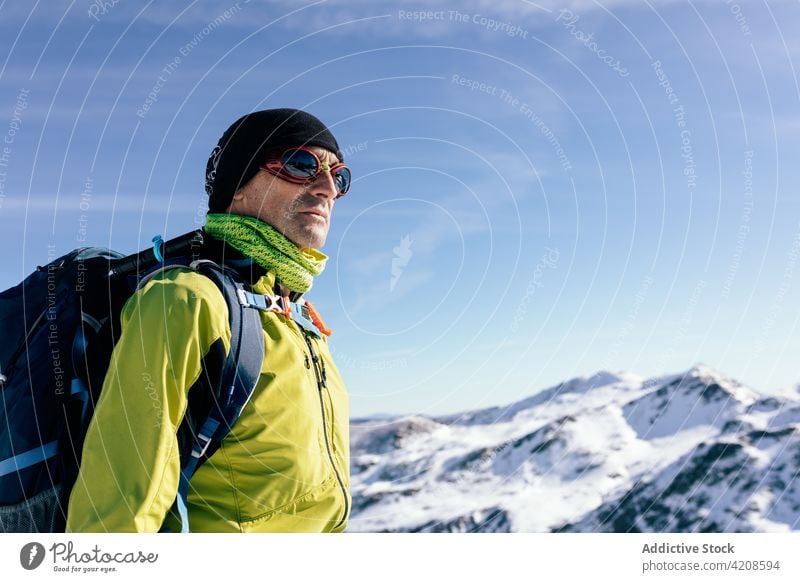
(646, 454)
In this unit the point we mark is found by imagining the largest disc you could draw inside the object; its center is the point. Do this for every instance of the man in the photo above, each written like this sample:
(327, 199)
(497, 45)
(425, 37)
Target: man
(272, 182)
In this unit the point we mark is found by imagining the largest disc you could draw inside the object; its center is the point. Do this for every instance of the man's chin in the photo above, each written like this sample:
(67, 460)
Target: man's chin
(310, 238)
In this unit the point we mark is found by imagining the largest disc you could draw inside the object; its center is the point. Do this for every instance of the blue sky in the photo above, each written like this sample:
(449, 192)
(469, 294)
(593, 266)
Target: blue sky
(542, 190)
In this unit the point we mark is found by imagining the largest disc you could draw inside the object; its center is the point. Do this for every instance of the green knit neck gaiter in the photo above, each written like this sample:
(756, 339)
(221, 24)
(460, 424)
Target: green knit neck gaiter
(294, 267)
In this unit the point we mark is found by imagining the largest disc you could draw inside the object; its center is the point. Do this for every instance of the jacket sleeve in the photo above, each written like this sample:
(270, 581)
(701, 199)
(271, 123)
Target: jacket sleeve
(130, 468)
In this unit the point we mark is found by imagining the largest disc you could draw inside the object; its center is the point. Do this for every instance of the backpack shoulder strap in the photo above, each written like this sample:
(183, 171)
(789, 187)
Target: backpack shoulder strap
(243, 366)
(240, 373)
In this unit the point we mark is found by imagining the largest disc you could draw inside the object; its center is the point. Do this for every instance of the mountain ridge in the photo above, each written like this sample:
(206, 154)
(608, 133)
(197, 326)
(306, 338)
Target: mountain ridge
(694, 451)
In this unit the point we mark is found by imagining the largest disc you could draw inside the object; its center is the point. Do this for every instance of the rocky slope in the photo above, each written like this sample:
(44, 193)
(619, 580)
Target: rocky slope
(690, 452)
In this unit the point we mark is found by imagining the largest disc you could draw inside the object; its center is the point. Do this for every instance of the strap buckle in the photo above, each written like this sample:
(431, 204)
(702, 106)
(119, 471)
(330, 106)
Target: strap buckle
(260, 301)
(295, 311)
(204, 437)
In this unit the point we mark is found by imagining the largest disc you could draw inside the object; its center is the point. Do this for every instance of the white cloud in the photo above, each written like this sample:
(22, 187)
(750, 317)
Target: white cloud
(316, 15)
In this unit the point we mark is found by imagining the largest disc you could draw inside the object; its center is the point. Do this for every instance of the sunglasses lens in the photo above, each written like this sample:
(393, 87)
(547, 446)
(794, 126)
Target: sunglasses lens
(300, 163)
(304, 165)
(342, 178)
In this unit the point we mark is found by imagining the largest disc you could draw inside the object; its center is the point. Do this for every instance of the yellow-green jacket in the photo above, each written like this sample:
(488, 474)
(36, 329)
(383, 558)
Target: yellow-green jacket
(283, 468)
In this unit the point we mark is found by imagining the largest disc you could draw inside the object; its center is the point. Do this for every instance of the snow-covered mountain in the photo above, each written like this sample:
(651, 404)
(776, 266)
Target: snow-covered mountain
(684, 453)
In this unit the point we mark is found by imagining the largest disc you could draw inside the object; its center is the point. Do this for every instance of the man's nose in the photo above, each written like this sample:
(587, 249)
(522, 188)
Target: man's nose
(324, 186)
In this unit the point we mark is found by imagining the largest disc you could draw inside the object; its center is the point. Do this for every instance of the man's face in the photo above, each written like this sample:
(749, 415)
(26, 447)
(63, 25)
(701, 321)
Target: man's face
(301, 212)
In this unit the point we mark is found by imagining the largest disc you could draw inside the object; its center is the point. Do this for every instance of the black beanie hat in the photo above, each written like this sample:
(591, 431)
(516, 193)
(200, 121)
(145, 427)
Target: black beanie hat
(243, 148)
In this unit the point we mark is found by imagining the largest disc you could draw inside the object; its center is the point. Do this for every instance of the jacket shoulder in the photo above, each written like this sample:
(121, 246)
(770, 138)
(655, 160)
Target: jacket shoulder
(183, 285)
(179, 295)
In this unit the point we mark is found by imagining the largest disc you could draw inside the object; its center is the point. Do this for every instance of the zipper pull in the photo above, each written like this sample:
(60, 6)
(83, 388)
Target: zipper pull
(308, 364)
(324, 376)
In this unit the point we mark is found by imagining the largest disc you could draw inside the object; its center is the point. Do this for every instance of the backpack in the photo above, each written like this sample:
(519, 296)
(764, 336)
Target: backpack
(59, 327)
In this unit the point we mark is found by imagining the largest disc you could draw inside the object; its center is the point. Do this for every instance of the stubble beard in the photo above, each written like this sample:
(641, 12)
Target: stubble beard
(303, 230)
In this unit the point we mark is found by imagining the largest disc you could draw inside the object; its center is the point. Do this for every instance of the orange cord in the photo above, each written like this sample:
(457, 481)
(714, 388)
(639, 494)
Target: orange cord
(317, 320)
(287, 307)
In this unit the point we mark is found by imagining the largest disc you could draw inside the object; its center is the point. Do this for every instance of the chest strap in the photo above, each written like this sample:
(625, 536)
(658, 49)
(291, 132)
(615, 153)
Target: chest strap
(297, 311)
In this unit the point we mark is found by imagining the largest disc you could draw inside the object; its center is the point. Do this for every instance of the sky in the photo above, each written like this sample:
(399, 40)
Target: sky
(542, 190)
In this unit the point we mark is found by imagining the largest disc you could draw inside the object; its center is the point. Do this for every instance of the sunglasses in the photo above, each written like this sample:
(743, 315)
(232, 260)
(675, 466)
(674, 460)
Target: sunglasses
(301, 166)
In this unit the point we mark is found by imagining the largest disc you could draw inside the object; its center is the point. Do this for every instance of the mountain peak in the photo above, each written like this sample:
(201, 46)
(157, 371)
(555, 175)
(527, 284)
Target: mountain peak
(701, 370)
(610, 452)
(574, 386)
(710, 376)
(605, 377)
(706, 379)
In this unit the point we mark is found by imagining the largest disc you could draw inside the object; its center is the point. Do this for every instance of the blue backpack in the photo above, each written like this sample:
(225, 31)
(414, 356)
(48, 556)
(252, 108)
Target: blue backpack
(59, 326)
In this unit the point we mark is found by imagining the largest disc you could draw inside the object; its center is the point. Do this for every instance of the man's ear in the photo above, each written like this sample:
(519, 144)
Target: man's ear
(237, 199)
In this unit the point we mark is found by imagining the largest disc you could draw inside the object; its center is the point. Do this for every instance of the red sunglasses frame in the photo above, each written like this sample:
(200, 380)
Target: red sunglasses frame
(276, 168)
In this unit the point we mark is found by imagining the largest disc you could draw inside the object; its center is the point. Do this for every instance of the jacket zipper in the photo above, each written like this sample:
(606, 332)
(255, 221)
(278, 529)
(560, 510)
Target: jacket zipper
(322, 383)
